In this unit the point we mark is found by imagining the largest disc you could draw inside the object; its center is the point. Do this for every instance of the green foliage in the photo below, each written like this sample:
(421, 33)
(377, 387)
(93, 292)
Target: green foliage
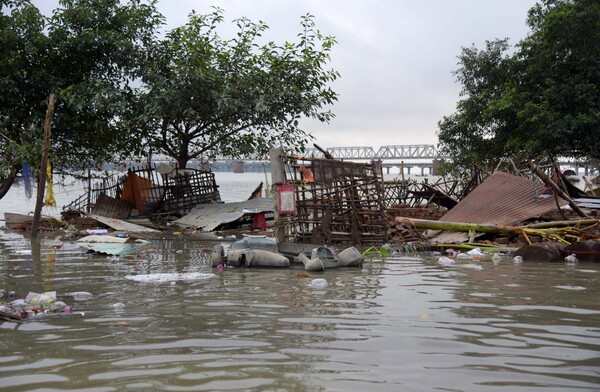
(89, 52)
(197, 94)
(542, 99)
(209, 96)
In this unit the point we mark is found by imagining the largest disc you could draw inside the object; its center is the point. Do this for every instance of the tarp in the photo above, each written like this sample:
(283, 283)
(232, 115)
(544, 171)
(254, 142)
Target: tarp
(207, 217)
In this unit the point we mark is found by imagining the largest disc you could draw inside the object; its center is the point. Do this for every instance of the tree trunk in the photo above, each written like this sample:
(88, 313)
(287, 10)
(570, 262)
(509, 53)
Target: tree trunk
(556, 189)
(42, 180)
(182, 162)
(7, 184)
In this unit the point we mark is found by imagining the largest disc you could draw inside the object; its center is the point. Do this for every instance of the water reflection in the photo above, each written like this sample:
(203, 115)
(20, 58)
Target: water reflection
(403, 324)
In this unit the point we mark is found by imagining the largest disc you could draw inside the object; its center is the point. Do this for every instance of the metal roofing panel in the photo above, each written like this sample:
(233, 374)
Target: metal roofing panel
(503, 199)
(209, 216)
(119, 224)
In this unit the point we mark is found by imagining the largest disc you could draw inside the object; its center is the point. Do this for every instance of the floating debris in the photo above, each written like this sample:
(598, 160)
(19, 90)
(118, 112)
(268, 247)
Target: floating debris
(161, 278)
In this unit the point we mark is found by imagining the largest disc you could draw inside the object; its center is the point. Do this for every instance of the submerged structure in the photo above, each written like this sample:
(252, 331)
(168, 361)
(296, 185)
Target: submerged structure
(144, 191)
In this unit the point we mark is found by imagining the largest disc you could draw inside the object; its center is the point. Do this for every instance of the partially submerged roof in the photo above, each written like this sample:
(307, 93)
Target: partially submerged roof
(111, 245)
(503, 199)
(207, 217)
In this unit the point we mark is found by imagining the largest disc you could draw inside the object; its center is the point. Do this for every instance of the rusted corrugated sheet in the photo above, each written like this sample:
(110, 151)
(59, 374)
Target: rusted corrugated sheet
(111, 207)
(503, 199)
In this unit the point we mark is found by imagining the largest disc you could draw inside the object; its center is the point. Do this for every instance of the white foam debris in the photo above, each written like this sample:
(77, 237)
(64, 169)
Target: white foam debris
(319, 283)
(160, 278)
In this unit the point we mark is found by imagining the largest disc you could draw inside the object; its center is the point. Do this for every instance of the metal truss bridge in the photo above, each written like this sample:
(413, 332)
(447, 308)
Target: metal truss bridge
(422, 156)
(396, 152)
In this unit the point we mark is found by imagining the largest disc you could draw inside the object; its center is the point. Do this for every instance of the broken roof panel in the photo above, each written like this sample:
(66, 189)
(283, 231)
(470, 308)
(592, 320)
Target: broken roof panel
(119, 224)
(207, 217)
(503, 199)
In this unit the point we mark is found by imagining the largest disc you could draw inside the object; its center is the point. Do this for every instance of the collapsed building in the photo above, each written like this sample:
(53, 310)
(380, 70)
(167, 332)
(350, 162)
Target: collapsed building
(147, 191)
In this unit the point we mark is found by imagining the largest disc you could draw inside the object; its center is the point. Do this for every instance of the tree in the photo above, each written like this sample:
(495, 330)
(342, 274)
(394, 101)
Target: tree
(209, 96)
(543, 99)
(89, 52)
(21, 41)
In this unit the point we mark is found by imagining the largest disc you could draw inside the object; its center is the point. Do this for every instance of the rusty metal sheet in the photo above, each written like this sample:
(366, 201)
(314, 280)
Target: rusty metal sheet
(503, 199)
(112, 208)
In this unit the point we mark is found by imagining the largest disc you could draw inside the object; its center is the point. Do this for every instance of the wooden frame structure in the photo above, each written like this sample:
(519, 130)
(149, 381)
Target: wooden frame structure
(147, 192)
(336, 203)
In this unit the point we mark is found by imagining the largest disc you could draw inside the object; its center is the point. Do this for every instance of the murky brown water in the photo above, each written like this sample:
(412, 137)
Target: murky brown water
(406, 324)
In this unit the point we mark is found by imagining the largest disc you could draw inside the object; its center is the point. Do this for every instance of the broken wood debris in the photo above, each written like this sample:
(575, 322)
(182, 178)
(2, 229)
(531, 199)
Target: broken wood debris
(146, 191)
(336, 202)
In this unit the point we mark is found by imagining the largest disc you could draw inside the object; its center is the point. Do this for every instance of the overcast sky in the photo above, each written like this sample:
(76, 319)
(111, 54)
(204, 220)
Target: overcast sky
(395, 57)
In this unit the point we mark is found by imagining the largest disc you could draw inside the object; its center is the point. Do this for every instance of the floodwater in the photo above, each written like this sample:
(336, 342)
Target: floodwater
(399, 324)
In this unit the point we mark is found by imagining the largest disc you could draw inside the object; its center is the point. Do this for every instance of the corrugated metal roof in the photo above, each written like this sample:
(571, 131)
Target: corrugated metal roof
(503, 199)
(208, 216)
(119, 224)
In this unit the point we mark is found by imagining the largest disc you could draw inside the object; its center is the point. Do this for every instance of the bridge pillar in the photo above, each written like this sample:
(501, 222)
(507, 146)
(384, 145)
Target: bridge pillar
(435, 170)
(238, 166)
(379, 167)
(423, 170)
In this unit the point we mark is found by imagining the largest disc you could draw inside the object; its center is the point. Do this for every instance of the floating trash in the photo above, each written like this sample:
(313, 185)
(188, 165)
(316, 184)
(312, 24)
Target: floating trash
(576, 288)
(476, 252)
(446, 261)
(43, 299)
(469, 266)
(571, 259)
(517, 259)
(33, 306)
(81, 295)
(160, 278)
(319, 283)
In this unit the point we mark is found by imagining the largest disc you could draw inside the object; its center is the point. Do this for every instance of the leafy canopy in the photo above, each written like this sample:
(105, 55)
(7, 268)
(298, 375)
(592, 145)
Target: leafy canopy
(89, 52)
(122, 91)
(209, 96)
(543, 98)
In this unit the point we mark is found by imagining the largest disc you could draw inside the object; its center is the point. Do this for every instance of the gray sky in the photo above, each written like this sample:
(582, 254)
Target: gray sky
(395, 57)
